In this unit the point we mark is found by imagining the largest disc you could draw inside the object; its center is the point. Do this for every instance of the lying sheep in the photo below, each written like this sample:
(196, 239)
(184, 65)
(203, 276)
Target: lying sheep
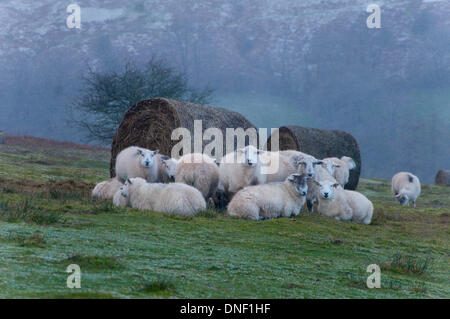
(199, 171)
(405, 187)
(137, 162)
(173, 198)
(270, 200)
(345, 205)
(311, 167)
(106, 189)
(321, 173)
(240, 169)
(343, 166)
(120, 200)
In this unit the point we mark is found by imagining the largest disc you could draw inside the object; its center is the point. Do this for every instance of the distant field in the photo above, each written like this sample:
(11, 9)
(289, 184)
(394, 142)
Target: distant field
(48, 221)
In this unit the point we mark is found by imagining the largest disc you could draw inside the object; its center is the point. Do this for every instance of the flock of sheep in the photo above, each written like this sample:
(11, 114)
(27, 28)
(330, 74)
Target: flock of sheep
(148, 180)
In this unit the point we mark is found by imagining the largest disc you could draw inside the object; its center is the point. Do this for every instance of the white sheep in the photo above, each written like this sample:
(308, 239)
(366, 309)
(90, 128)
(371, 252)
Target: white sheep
(200, 171)
(284, 166)
(344, 205)
(120, 200)
(106, 189)
(240, 169)
(166, 168)
(405, 187)
(321, 173)
(343, 166)
(173, 198)
(282, 199)
(136, 161)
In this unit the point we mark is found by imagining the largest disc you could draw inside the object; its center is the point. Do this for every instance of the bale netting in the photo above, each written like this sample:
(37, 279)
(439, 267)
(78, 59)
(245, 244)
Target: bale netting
(150, 123)
(442, 178)
(320, 144)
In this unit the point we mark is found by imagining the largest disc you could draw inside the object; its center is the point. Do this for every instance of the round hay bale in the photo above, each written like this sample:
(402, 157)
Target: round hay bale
(149, 123)
(320, 144)
(2, 138)
(442, 178)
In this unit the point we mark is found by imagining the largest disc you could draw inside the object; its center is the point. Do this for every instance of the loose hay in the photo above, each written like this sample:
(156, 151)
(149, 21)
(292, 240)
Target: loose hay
(149, 123)
(321, 144)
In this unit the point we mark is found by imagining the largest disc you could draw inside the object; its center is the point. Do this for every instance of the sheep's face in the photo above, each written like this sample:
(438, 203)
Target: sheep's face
(146, 157)
(299, 182)
(403, 199)
(250, 155)
(170, 166)
(306, 165)
(330, 166)
(327, 189)
(124, 189)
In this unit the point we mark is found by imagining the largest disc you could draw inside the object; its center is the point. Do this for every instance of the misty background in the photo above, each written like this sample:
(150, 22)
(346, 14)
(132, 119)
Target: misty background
(312, 63)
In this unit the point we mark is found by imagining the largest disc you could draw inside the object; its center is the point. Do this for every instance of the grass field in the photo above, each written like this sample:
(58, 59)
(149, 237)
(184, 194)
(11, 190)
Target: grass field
(48, 221)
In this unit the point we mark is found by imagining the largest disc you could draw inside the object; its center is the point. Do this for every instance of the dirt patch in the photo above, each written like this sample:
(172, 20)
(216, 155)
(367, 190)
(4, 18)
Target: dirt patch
(43, 142)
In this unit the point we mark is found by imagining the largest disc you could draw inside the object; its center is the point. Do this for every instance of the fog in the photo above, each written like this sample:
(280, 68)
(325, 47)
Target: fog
(312, 63)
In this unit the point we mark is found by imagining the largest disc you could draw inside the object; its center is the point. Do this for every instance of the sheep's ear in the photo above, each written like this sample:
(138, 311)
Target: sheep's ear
(318, 162)
(291, 179)
(335, 185)
(316, 182)
(335, 165)
(397, 195)
(140, 152)
(129, 181)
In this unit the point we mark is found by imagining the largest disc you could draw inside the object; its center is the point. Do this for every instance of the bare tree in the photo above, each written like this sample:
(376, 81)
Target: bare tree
(106, 96)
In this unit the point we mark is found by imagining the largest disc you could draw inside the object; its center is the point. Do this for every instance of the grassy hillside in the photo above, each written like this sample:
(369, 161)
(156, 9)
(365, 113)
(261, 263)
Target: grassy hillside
(48, 221)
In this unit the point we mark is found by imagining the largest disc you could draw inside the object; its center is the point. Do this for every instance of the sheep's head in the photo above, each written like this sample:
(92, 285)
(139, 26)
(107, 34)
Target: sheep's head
(131, 183)
(124, 189)
(299, 182)
(403, 199)
(250, 155)
(146, 157)
(329, 165)
(170, 166)
(306, 165)
(327, 188)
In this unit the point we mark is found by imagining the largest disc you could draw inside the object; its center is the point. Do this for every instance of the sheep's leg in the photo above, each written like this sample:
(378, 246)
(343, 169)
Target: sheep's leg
(414, 203)
(310, 205)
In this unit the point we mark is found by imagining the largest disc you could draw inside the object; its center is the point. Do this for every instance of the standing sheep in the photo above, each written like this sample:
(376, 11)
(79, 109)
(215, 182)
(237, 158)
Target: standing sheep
(343, 167)
(106, 189)
(405, 187)
(345, 205)
(166, 168)
(173, 198)
(137, 162)
(270, 200)
(240, 169)
(199, 171)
